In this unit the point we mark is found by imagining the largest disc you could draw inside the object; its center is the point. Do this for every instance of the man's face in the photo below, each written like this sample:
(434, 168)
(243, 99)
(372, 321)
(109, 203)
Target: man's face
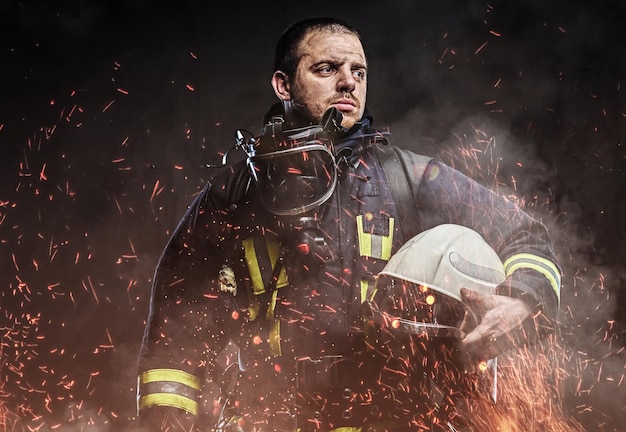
(332, 72)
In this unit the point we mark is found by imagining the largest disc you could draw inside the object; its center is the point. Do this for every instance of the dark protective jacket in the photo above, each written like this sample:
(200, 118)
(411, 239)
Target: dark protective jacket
(231, 272)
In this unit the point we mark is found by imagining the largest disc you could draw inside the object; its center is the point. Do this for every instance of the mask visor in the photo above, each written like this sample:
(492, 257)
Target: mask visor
(296, 180)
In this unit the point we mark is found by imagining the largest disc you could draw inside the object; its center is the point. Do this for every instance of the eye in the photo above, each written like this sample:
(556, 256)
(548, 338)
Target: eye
(359, 74)
(326, 69)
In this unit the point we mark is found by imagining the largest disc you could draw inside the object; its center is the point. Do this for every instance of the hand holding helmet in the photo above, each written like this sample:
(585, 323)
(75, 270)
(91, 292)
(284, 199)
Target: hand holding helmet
(419, 309)
(458, 276)
(505, 323)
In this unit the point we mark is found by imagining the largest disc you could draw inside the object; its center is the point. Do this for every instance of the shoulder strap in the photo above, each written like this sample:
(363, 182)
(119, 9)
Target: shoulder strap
(403, 171)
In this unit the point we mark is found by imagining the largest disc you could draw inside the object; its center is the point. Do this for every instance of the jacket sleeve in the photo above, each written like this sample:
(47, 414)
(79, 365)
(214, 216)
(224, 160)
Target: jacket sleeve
(189, 320)
(522, 242)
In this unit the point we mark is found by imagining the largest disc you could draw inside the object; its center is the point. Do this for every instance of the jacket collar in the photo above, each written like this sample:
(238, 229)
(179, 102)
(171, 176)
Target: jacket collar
(348, 144)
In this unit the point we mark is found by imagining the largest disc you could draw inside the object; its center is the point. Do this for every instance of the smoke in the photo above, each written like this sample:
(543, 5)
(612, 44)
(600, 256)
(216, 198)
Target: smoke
(528, 117)
(589, 354)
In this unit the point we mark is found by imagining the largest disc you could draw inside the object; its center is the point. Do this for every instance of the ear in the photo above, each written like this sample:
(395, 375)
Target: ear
(281, 86)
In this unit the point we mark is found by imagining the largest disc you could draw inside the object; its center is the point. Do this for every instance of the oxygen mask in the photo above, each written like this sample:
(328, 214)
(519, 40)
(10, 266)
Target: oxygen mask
(295, 170)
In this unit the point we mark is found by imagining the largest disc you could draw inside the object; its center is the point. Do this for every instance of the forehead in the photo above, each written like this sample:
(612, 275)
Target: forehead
(318, 45)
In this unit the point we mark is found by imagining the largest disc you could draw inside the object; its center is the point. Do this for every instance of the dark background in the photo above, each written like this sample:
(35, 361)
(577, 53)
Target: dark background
(109, 112)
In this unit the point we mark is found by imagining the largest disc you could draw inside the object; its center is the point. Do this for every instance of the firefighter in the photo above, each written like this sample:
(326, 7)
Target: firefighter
(279, 256)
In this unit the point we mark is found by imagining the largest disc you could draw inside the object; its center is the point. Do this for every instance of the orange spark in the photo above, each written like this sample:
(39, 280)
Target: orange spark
(155, 190)
(480, 48)
(108, 105)
(42, 174)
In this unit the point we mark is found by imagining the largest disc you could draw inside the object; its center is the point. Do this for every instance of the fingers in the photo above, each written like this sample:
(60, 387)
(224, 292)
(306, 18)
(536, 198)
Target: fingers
(470, 296)
(476, 307)
(501, 324)
(469, 322)
(480, 332)
(482, 344)
(478, 302)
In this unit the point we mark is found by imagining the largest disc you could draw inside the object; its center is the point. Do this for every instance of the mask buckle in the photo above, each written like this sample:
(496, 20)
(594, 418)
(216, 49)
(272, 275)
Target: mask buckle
(309, 241)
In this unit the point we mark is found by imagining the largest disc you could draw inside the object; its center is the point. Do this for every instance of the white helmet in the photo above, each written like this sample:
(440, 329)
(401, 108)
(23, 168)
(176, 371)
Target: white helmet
(446, 258)
(420, 285)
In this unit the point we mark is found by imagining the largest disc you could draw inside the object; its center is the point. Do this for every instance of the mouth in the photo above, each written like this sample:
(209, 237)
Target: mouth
(344, 105)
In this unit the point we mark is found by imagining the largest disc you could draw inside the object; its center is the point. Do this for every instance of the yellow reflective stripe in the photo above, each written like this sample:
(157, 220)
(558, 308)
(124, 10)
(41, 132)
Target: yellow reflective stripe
(274, 338)
(368, 290)
(272, 306)
(273, 250)
(169, 400)
(253, 266)
(372, 245)
(364, 286)
(365, 240)
(272, 247)
(537, 263)
(174, 375)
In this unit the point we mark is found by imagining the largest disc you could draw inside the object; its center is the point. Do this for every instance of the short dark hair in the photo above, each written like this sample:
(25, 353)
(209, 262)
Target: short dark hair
(286, 57)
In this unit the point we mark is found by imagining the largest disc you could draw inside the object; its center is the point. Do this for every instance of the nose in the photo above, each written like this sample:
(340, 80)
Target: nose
(345, 81)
